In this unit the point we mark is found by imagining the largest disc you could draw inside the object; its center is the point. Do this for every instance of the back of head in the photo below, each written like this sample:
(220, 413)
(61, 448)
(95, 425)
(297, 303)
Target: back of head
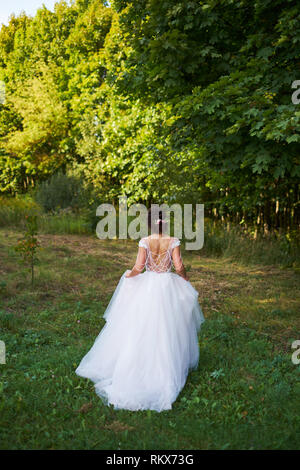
(156, 223)
(158, 243)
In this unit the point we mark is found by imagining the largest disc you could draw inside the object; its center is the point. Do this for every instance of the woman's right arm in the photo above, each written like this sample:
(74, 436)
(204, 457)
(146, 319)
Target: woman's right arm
(139, 264)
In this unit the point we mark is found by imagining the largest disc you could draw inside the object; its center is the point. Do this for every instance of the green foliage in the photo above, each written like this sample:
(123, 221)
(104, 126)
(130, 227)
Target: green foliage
(59, 192)
(164, 102)
(236, 117)
(14, 209)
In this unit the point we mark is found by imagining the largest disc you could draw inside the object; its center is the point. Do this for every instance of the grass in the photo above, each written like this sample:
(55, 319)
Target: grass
(244, 394)
(13, 211)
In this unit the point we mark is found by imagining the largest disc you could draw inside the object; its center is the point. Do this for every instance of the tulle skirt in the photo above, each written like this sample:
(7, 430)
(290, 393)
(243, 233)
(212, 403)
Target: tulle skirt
(142, 356)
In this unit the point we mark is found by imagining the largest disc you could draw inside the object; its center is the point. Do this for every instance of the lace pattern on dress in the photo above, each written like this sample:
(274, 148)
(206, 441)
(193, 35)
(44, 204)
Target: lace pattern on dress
(159, 262)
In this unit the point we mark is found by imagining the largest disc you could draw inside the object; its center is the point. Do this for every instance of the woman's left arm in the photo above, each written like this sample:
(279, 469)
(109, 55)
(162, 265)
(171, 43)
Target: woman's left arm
(139, 264)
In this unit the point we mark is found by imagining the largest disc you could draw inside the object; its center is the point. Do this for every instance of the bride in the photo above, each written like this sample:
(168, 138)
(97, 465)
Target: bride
(142, 356)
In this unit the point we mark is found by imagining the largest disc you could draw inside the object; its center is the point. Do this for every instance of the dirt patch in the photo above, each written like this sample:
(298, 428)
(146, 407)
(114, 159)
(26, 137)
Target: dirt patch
(118, 426)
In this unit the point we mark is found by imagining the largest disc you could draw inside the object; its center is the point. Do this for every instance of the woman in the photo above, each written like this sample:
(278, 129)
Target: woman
(141, 358)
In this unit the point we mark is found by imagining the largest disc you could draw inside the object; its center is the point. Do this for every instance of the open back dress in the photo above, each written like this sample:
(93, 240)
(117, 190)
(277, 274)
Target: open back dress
(142, 356)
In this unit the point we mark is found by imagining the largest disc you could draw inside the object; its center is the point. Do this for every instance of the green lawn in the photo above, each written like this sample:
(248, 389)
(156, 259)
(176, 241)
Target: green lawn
(244, 395)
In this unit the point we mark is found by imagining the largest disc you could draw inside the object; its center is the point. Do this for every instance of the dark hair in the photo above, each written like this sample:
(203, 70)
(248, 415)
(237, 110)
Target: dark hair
(151, 214)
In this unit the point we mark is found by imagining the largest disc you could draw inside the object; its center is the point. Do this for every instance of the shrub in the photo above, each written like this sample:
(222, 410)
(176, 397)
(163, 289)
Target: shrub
(13, 210)
(28, 245)
(61, 191)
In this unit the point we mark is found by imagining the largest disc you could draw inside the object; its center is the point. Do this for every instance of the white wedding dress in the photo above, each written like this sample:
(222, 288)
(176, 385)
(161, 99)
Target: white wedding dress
(142, 356)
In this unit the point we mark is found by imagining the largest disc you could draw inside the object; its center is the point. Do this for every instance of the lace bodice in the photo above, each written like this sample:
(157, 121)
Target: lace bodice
(159, 255)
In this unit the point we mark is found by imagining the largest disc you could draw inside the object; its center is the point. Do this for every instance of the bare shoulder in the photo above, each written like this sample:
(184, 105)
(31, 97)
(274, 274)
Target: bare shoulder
(143, 243)
(175, 242)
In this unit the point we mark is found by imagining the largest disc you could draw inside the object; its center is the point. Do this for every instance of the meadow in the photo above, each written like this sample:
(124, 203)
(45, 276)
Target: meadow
(244, 394)
(162, 102)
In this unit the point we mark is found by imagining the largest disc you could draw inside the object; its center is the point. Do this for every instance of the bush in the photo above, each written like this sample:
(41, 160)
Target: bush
(14, 209)
(61, 191)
